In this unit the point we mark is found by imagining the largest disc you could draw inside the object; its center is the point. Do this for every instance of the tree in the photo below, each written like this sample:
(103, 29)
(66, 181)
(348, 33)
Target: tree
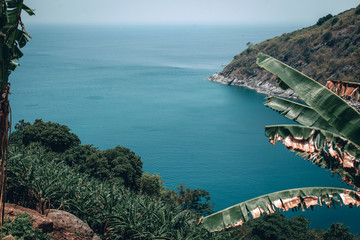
(54, 136)
(328, 137)
(118, 165)
(277, 226)
(337, 231)
(76, 156)
(11, 40)
(197, 200)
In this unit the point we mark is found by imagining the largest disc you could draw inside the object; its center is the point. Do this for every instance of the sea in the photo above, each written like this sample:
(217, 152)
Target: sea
(144, 87)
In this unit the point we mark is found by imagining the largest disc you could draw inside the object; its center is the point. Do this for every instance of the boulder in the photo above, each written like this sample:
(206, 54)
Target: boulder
(64, 221)
(9, 237)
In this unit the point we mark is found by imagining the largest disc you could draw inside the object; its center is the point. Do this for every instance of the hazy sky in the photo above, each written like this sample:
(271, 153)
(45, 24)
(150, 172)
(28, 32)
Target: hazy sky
(185, 11)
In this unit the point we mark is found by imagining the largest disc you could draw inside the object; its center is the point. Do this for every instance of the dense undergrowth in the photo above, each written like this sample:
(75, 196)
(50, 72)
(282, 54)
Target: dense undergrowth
(114, 206)
(38, 181)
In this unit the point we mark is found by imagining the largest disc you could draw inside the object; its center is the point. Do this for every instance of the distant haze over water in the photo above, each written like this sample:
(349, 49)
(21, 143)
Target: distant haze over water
(145, 88)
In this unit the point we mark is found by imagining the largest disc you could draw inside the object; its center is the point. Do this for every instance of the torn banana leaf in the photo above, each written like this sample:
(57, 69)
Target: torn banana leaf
(299, 113)
(300, 198)
(13, 16)
(322, 148)
(327, 104)
(14, 37)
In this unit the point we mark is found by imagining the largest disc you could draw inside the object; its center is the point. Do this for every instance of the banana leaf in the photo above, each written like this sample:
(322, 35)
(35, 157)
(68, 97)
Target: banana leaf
(299, 113)
(340, 115)
(322, 148)
(13, 20)
(28, 10)
(300, 198)
(14, 38)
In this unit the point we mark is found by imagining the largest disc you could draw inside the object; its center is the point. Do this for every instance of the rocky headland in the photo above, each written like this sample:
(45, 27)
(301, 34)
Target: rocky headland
(326, 51)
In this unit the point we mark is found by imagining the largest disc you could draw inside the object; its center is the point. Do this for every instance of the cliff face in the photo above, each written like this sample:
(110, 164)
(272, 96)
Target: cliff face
(329, 50)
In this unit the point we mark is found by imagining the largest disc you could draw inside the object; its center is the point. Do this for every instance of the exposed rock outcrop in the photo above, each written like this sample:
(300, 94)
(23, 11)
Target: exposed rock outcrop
(265, 86)
(67, 222)
(60, 224)
(39, 220)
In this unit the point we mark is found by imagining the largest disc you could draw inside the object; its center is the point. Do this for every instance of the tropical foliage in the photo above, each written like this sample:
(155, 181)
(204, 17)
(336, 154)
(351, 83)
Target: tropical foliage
(329, 137)
(104, 188)
(12, 38)
(40, 179)
(48, 168)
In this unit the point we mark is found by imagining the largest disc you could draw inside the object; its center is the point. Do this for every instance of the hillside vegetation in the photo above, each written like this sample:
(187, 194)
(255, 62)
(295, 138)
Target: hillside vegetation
(328, 50)
(109, 191)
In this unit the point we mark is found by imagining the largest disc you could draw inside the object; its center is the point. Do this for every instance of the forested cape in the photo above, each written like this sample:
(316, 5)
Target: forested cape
(328, 50)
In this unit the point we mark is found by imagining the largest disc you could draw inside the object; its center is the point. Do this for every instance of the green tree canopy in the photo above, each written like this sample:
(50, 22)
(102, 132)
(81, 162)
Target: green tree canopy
(54, 136)
(198, 200)
(151, 184)
(337, 231)
(119, 165)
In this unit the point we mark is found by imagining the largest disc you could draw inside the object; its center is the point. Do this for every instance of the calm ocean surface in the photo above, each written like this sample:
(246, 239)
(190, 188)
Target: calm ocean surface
(145, 88)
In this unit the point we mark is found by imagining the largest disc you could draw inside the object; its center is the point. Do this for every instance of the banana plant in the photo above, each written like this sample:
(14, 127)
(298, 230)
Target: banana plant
(13, 36)
(328, 135)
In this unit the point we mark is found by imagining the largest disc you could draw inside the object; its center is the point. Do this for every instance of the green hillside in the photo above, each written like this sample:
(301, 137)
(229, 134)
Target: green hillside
(328, 50)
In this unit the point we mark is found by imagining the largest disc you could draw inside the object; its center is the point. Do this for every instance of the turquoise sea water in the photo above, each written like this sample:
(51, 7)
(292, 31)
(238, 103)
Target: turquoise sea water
(145, 88)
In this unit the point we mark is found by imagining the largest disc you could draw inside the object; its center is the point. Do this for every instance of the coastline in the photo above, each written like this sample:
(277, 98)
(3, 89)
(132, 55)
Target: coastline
(264, 86)
(260, 86)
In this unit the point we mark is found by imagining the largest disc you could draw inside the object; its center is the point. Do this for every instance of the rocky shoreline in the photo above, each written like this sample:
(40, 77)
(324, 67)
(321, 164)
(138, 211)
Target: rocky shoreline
(260, 86)
(264, 86)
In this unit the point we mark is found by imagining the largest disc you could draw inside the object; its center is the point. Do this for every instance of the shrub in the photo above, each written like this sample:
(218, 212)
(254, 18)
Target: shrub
(287, 56)
(151, 184)
(352, 49)
(334, 21)
(331, 43)
(327, 36)
(324, 19)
